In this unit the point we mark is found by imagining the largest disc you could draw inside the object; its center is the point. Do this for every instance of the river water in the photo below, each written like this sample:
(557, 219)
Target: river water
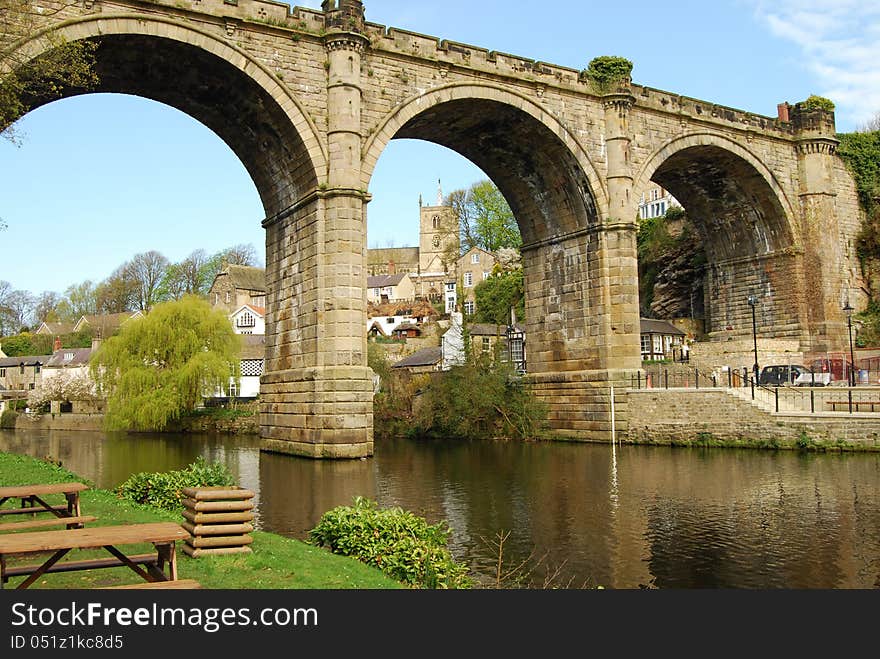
(570, 515)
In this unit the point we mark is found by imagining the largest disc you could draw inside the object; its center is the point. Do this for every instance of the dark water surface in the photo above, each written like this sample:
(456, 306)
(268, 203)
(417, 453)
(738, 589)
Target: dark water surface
(575, 514)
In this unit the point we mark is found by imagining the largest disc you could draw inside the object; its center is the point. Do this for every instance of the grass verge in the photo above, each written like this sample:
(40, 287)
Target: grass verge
(276, 562)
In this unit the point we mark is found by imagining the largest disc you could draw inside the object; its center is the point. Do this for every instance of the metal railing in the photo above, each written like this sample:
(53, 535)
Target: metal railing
(787, 398)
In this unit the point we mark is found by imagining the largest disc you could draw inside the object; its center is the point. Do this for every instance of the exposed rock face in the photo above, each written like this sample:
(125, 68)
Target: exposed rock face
(678, 286)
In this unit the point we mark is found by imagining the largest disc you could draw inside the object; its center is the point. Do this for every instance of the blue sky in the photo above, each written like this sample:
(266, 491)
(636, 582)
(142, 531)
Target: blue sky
(100, 178)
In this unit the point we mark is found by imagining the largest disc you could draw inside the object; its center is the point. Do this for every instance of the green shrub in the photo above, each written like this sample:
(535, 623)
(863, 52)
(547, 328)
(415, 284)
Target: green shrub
(163, 489)
(7, 419)
(399, 543)
(607, 72)
(815, 102)
(479, 400)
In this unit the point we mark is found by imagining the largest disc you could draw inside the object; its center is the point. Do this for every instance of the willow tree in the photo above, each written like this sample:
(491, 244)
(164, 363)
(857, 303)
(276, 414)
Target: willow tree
(160, 367)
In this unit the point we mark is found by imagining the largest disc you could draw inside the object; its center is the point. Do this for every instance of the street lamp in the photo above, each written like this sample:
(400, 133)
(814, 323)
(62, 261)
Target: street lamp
(753, 300)
(848, 310)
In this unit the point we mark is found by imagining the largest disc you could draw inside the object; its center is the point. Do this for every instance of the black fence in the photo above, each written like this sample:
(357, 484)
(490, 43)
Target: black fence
(808, 399)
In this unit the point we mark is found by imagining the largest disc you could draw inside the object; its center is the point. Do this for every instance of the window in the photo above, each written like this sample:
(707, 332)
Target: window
(247, 319)
(475, 257)
(216, 298)
(436, 221)
(31, 386)
(2, 372)
(487, 344)
(21, 369)
(390, 321)
(227, 297)
(468, 279)
(469, 308)
(37, 368)
(233, 389)
(646, 344)
(377, 292)
(658, 344)
(450, 287)
(485, 275)
(258, 300)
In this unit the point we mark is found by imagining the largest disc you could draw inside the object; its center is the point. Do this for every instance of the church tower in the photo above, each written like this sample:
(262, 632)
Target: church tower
(439, 239)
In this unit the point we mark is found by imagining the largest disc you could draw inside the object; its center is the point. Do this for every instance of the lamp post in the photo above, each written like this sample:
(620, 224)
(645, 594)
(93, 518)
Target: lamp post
(848, 310)
(753, 300)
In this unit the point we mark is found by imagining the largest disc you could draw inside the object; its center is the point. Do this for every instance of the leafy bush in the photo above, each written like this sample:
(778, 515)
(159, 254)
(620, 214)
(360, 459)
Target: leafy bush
(815, 102)
(479, 400)
(7, 419)
(401, 544)
(607, 72)
(163, 489)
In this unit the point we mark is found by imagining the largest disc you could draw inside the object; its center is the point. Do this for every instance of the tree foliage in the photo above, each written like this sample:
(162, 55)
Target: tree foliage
(499, 293)
(485, 218)
(160, 367)
(25, 83)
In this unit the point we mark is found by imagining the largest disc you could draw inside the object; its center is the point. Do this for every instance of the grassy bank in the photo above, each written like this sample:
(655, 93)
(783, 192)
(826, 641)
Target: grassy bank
(276, 562)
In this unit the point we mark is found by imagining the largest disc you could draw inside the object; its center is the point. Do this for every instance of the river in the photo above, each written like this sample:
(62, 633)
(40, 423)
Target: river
(571, 515)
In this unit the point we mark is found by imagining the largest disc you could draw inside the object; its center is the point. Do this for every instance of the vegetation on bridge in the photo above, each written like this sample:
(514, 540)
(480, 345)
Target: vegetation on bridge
(25, 82)
(608, 72)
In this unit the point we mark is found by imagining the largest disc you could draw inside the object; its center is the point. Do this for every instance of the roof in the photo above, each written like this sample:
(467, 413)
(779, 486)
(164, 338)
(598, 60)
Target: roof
(653, 326)
(260, 311)
(487, 329)
(405, 327)
(27, 360)
(381, 281)
(108, 323)
(246, 277)
(69, 357)
(253, 346)
(55, 328)
(424, 357)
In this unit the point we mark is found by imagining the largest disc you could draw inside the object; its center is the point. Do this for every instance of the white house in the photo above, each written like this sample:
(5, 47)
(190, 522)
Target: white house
(249, 319)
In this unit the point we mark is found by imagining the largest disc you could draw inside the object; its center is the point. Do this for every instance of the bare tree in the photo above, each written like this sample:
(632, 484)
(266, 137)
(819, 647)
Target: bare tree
(872, 125)
(45, 307)
(146, 271)
(117, 293)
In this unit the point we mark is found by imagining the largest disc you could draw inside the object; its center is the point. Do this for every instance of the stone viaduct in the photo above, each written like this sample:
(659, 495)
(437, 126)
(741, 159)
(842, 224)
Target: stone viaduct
(309, 99)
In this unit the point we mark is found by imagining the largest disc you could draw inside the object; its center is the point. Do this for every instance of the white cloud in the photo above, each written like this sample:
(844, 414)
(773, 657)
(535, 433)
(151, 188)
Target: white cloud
(839, 41)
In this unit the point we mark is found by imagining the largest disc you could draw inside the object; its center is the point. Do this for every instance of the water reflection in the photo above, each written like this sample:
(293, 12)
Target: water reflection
(619, 516)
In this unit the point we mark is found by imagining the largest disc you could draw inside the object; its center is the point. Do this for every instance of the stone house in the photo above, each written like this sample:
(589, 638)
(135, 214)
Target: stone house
(248, 320)
(473, 267)
(484, 339)
(22, 373)
(237, 285)
(70, 364)
(390, 288)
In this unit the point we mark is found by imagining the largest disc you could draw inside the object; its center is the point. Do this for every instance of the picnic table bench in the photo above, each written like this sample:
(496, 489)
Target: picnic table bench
(162, 535)
(33, 498)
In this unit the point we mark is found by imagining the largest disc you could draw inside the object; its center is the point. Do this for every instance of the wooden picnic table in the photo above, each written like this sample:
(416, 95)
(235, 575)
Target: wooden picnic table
(162, 535)
(33, 501)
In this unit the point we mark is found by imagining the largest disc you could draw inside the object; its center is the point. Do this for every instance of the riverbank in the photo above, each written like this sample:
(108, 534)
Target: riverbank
(276, 562)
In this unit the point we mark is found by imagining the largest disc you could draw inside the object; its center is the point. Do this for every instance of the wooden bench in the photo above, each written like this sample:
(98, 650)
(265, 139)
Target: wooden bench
(857, 405)
(180, 584)
(33, 500)
(70, 522)
(162, 535)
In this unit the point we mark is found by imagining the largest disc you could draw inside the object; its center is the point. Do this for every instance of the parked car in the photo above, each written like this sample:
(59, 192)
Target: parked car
(781, 374)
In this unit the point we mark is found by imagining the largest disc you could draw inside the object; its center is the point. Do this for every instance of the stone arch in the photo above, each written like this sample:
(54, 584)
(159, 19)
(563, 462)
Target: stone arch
(729, 192)
(544, 172)
(747, 227)
(260, 120)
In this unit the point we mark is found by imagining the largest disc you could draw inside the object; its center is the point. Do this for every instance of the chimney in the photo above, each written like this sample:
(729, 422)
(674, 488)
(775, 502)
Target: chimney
(782, 112)
(391, 268)
(96, 342)
(57, 345)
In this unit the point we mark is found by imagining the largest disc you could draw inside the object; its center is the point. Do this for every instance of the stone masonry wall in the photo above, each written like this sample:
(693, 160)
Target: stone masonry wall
(670, 416)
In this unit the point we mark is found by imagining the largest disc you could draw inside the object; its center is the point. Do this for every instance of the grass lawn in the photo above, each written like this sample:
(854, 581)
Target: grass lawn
(275, 563)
